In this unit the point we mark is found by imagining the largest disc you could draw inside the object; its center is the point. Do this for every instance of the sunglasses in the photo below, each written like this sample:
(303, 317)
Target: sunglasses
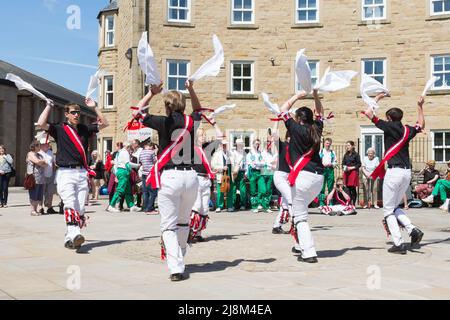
(74, 112)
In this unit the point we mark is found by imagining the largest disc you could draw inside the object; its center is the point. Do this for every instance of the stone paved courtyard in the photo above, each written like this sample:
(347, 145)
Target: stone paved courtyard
(241, 258)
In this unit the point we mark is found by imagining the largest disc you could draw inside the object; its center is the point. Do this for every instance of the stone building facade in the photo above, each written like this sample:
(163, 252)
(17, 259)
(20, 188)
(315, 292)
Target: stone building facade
(400, 44)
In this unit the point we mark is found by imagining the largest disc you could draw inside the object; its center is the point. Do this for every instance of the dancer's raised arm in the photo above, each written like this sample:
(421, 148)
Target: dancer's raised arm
(289, 103)
(196, 106)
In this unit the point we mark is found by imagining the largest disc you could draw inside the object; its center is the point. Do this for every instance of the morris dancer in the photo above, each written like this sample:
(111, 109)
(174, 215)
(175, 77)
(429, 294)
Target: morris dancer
(72, 175)
(338, 202)
(199, 215)
(306, 176)
(398, 175)
(280, 180)
(178, 183)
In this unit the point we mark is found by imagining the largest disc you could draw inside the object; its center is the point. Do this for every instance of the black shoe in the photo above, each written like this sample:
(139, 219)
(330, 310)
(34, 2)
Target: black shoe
(308, 260)
(78, 241)
(51, 211)
(42, 211)
(401, 249)
(279, 230)
(296, 251)
(199, 239)
(176, 277)
(416, 237)
(69, 244)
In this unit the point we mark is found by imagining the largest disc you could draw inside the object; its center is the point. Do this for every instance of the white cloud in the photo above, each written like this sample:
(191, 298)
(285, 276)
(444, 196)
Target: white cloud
(50, 4)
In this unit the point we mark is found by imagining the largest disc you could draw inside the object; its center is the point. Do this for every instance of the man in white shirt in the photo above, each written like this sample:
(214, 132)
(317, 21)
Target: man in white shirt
(221, 163)
(49, 174)
(329, 162)
(255, 164)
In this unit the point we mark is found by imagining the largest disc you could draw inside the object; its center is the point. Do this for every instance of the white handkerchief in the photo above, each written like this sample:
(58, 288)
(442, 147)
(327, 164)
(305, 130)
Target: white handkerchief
(147, 62)
(222, 109)
(429, 84)
(22, 85)
(335, 80)
(212, 66)
(274, 108)
(370, 86)
(303, 71)
(94, 82)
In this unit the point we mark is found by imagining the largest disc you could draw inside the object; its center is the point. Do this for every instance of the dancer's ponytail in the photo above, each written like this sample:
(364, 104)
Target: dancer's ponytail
(305, 115)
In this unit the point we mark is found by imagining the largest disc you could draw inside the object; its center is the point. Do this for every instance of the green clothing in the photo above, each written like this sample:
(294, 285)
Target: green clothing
(239, 184)
(123, 188)
(328, 182)
(442, 188)
(230, 195)
(267, 196)
(257, 189)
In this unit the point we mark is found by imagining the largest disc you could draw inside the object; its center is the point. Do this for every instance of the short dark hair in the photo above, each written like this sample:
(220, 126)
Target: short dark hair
(395, 114)
(329, 139)
(119, 144)
(69, 106)
(34, 145)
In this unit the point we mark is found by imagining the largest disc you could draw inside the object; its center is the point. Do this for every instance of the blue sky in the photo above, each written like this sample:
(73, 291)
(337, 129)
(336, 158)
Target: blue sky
(34, 36)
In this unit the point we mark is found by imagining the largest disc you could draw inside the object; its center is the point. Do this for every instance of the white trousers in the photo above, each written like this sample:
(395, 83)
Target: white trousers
(201, 204)
(395, 184)
(307, 186)
(281, 183)
(175, 200)
(72, 187)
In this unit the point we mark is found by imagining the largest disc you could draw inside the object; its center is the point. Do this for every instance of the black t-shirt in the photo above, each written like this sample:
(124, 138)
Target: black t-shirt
(301, 143)
(208, 148)
(282, 151)
(393, 132)
(68, 154)
(169, 128)
(429, 175)
(352, 160)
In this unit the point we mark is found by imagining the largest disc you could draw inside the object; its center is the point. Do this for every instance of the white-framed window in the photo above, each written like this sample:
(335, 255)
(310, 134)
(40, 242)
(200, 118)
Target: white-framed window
(246, 136)
(109, 31)
(372, 137)
(376, 68)
(314, 66)
(440, 66)
(242, 11)
(438, 7)
(177, 74)
(307, 11)
(179, 10)
(242, 77)
(108, 93)
(373, 9)
(107, 145)
(441, 145)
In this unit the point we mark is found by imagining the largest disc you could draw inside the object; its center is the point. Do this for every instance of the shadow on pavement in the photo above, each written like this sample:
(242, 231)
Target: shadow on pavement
(341, 252)
(230, 236)
(91, 244)
(220, 265)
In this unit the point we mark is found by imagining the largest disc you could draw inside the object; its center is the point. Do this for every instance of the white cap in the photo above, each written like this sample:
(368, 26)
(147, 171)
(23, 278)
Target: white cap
(239, 141)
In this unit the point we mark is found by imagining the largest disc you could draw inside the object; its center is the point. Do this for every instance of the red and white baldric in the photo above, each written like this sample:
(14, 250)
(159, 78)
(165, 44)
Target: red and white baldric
(201, 153)
(154, 176)
(380, 171)
(73, 136)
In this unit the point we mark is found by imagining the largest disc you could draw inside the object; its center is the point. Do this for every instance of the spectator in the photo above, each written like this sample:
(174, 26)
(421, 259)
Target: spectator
(108, 166)
(147, 159)
(351, 164)
(430, 177)
(441, 189)
(255, 163)
(338, 201)
(370, 162)
(136, 172)
(239, 166)
(270, 160)
(221, 163)
(49, 176)
(36, 166)
(6, 166)
(329, 161)
(112, 181)
(97, 165)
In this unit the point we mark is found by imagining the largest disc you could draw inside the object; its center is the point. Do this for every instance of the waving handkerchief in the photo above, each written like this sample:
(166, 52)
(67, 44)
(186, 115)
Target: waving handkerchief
(303, 71)
(147, 62)
(22, 85)
(94, 82)
(370, 86)
(212, 66)
(429, 84)
(222, 109)
(274, 108)
(335, 80)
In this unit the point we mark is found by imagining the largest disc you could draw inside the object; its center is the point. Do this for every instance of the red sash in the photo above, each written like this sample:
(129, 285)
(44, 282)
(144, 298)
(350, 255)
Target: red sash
(73, 136)
(154, 177)
(299, 165)
(288, 157)
(201, 153)
(380, 171)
